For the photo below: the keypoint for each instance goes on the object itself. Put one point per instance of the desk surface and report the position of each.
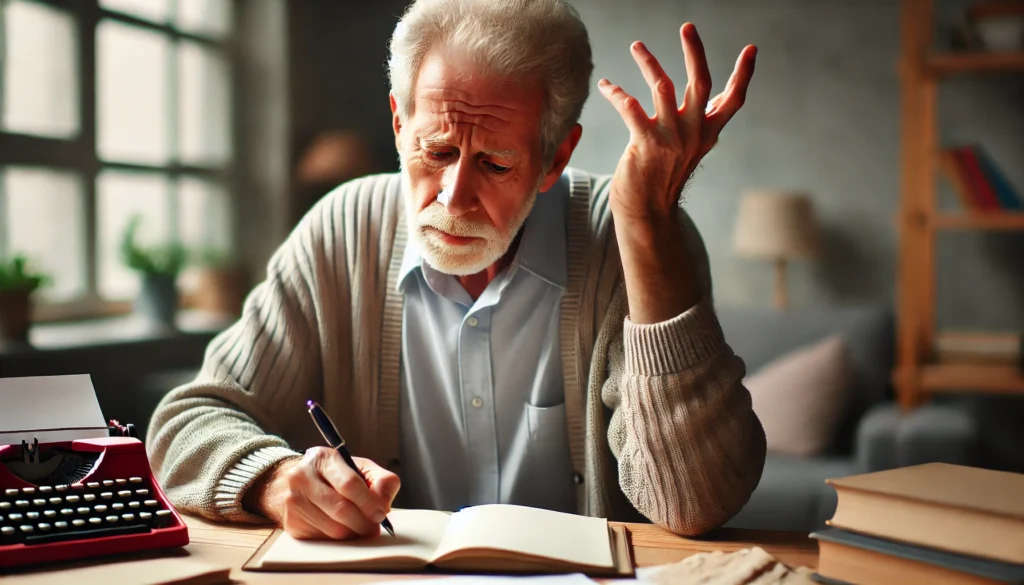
(234, 544)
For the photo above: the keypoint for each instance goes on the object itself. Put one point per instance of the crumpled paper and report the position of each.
(749, 566)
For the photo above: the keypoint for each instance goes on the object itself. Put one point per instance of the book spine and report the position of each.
(1004, 192)
(979, 185)
(955, 175)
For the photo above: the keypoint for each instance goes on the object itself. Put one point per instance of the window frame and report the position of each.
(79, 153)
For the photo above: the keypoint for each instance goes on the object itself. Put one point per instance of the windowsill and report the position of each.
(119, 330)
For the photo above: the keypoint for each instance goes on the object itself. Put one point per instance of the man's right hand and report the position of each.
(319, 496)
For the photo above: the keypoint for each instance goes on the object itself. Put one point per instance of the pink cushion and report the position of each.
(800, 396)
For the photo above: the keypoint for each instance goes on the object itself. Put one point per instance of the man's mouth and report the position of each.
(451, 238)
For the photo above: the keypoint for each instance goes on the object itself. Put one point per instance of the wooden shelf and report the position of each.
(980, 221)
(989, 378)
(953, 63)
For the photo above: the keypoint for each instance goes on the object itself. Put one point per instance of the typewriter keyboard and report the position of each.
(93, 509)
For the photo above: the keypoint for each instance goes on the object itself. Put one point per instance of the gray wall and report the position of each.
(822, 116)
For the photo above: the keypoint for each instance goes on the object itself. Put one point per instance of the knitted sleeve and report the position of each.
(690, 449)
(210, 439)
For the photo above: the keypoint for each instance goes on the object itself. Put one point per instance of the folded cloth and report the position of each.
(749, 566)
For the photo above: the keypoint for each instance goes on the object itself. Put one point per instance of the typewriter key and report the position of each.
(45, 489)
(95, 521)
(100, 508)
(135, 479)
(78, 523)
(61, 525)
(50, 513)
(87, 497)
(70, 499)
(32, 515)
(57, 501)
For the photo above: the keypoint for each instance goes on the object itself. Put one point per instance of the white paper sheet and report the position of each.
(557, 579)
(50, 409)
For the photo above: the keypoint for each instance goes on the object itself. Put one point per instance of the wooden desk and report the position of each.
(234, 544)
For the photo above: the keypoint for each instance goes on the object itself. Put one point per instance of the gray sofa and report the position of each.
(874, 433)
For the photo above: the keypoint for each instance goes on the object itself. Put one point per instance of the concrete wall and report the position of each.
(822, 116)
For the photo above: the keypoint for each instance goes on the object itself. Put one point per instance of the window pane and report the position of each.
(131, 101)
(40, 76)
(204, 216)
(44, 221)
(120, 195)
(204, 123)
(211, 17)
(155, 10)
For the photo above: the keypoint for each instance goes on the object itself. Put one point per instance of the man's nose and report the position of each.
(457, 194)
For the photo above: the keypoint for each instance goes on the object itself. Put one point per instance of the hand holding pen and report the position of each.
(335, 441)
(319, 496)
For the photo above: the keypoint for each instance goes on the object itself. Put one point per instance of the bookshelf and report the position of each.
(922, 68)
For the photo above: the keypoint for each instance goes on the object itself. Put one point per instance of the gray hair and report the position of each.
(536, 40)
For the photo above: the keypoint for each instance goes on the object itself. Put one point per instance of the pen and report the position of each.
(336, 442)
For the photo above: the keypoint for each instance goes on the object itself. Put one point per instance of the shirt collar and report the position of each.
(541, 248)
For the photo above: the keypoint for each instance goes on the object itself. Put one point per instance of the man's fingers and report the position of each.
(627, 106)
(342, 510)
(698, 84)
(303, 519)
(349, 484)
(384, 483)
(663, 91)
(735, 94)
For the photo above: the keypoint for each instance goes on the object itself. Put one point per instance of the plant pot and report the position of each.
(15, 316)
(158, 300)
(220, 290)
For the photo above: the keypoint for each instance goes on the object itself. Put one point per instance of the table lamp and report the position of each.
(779, 226)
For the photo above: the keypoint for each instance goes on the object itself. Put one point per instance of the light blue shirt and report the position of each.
(482, 405)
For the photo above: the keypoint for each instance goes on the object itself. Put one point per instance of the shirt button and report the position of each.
(472, 321)
(478, 402)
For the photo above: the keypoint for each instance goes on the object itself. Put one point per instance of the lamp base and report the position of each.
(781, 297)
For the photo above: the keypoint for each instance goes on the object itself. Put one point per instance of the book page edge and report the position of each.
(255, 562)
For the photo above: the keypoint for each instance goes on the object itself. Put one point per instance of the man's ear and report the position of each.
(396, 120)
(562, 156)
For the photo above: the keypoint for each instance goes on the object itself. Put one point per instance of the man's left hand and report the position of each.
(662, 153)
(664, 150)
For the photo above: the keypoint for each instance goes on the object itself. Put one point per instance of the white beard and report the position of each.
(461, 259)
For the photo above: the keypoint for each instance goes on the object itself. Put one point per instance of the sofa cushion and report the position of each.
(760, 334)
(792, 494)
(800, 396)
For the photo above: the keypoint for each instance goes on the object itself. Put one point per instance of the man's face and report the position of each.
(471, 162)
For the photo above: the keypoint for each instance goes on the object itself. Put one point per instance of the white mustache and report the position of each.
(436, 216)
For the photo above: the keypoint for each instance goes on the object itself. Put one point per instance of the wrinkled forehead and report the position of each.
(450, 93)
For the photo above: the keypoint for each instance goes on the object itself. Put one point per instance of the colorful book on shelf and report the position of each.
(1008, 198)
(977, 180)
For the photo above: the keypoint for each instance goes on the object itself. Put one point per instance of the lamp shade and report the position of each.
(776, 225)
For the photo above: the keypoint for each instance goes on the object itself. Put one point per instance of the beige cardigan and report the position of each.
(659, 422)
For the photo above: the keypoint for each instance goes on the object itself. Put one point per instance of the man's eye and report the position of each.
(438, 155)
(497, 168)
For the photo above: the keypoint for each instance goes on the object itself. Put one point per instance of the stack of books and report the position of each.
(980, 348)
(930, 523)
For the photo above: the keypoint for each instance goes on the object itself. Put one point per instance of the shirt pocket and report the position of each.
(549, 436)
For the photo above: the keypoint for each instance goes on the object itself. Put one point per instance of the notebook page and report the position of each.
(417, 534)
(533, 531)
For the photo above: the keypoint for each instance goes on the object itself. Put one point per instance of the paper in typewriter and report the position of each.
(50, 409)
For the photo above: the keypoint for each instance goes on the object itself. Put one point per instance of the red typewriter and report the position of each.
(82, 498)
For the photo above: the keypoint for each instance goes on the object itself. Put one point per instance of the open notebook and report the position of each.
(493, 538)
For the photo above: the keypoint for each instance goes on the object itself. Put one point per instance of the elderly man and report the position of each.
(489, 325)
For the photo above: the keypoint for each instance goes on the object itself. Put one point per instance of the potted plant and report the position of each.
(17, 283)
(159, 267)
(220, 283)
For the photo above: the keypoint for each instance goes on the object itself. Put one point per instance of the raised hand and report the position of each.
(664, 150)
(662, 153)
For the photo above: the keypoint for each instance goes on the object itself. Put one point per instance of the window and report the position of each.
(110, 108)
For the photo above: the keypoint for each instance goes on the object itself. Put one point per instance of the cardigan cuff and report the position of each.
(675, 345)
(231, 488)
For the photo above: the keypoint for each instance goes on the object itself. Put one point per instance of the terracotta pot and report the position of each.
(15, 315)
(220, 290)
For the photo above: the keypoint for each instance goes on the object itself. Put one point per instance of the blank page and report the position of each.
(417, 534)
(581, 540)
